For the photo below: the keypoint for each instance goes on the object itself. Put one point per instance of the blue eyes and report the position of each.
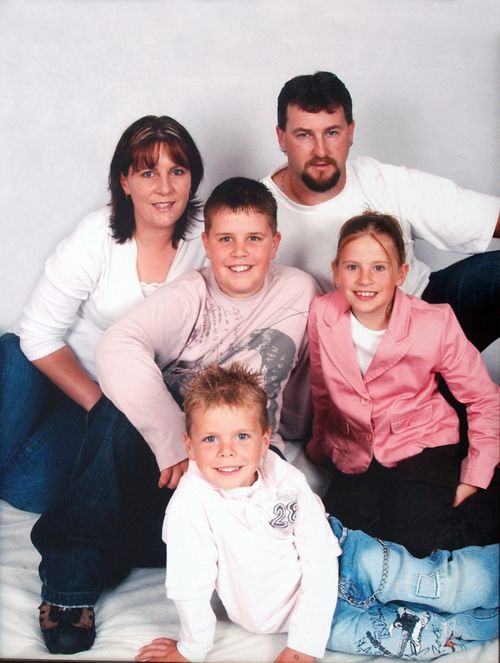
(212, 439)
(376, 268)
(252, 238)
(329, 134)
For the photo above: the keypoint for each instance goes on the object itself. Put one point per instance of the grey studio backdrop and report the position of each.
(75, 73)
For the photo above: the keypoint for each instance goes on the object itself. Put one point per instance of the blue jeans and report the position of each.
(41, 431)
(472, 288)
(110, 517)
(393, 604)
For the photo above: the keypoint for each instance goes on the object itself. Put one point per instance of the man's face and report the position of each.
(227, 445)
(317, 146)
(240, 247)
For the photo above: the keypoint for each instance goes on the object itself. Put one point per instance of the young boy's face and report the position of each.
(240, 247)
(227, 445)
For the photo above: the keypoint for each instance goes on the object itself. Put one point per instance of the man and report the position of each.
(319, 188)
(241, 308)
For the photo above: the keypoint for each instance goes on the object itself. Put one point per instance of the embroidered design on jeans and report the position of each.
(411, 625)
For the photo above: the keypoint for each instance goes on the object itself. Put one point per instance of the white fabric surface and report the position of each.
(135, 612)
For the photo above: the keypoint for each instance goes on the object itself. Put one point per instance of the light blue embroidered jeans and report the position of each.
(393, 604)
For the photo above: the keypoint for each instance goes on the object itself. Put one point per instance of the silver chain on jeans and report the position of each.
(366, 603)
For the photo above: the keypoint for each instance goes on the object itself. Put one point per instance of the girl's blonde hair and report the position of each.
(373, 224)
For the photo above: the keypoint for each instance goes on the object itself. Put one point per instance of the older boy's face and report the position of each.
(240, 247)
(227, 445)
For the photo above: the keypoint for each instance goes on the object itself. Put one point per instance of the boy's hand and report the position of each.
(464, 490)
(293, 656)
(171, 476)
(161, 649)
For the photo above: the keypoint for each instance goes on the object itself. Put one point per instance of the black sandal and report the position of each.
(67, 630)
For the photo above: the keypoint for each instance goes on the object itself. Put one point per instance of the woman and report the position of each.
(115, 257)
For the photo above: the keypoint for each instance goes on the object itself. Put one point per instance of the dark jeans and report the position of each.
(41, 431)
(472, 288)
(110, 517)
(411, 504)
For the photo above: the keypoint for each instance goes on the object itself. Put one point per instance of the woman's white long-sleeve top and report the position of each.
(87, 284)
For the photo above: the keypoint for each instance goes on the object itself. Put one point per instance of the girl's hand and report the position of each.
(464, 490)
(293, 656)
(171, 476)
(161, 649)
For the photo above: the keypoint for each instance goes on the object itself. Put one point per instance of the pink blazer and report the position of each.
(395, 410)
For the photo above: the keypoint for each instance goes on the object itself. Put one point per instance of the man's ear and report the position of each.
(189, 447)
(351, 129)
(281, 139)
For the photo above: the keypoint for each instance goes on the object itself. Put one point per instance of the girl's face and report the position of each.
(367, 272)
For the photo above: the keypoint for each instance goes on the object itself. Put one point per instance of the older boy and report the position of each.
(241, 308)
(271, 554)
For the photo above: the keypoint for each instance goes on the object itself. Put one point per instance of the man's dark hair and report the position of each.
(314, 93)
(241, 194)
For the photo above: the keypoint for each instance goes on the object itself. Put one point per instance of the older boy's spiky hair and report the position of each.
(232, 386)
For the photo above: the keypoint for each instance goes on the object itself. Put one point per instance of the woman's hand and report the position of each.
(161, 649)
(293, 656)
(64, 370)
(170, 476)
(464, 490)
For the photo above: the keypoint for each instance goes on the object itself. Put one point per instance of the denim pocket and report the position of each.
(428, 586)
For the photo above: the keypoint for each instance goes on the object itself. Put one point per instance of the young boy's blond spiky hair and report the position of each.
(232, 386)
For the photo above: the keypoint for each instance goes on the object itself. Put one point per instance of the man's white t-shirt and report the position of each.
(428, 207)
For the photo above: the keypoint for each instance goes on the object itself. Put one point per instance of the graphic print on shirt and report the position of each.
(275, 352)
(285, 515)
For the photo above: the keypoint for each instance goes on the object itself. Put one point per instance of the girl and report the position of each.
(379, 417)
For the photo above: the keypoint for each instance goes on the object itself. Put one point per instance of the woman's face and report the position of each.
(159, 194)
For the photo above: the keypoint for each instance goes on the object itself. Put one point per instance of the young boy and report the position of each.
(245, 523)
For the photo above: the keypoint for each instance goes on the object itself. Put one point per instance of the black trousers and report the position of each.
(411, 504)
